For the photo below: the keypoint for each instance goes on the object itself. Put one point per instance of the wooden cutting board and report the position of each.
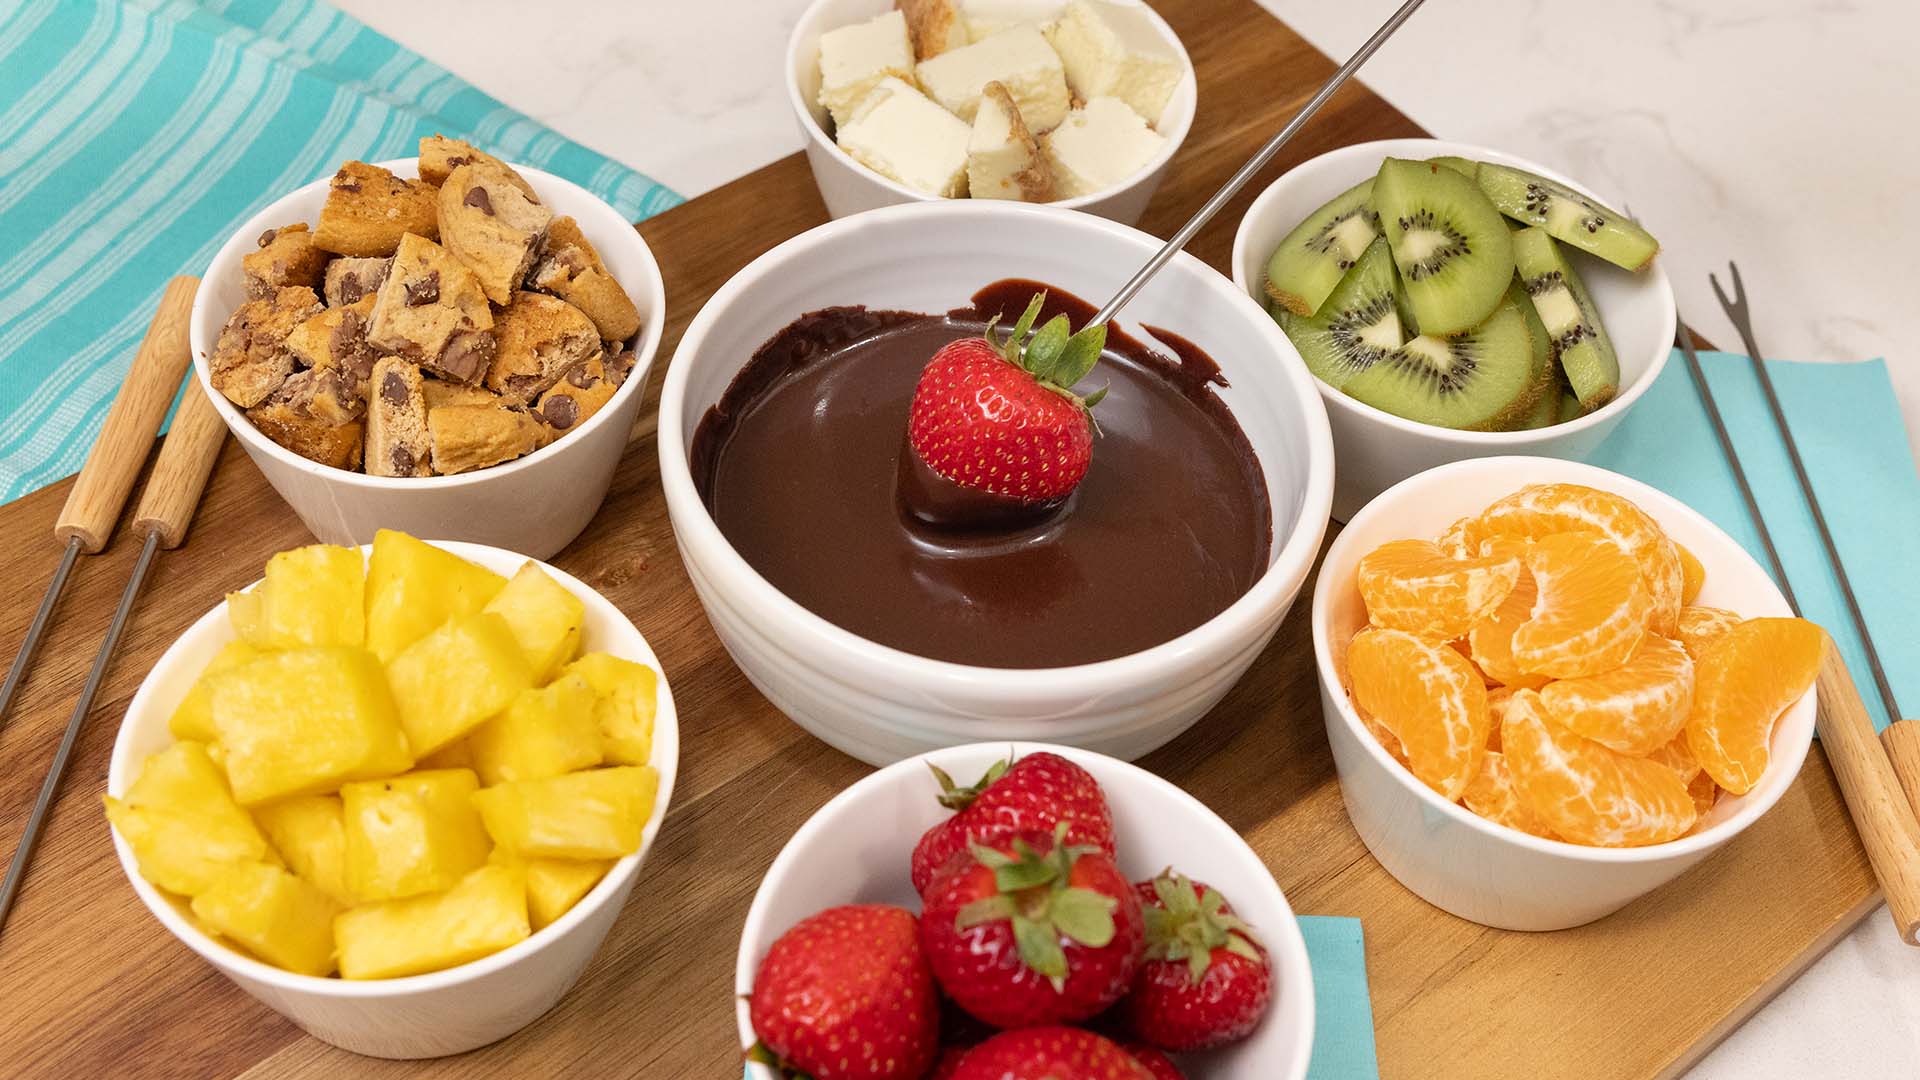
(93, 986)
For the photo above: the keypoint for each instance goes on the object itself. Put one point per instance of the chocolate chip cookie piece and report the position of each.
(286, 258)
(441, 393)
(431, 310)
(351, 280)
(571, 269)
(313, 438)
(579, 394)
(487, 222)
(251, 359)
(469, 437)
(440, 155)
(397, 441)
(369, 209)
(335, 341)
(540, 337)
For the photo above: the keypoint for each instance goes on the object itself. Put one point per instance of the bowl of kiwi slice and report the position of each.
(1453, 302)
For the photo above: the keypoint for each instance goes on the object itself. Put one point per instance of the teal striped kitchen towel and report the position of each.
(137, 135)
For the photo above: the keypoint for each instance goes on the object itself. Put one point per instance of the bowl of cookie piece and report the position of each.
(450, 345)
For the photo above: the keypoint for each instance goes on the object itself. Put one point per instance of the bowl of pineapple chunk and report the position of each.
(398, 793)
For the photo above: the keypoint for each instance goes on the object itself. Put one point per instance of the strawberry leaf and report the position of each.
(1042, 355)
(1081, 352)
(1095, 398)
(1085, 916)
(1039, 947)
(991, 909)
(1027, 319)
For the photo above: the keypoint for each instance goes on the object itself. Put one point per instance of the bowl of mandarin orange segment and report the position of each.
(397, 793)
(1551, 689)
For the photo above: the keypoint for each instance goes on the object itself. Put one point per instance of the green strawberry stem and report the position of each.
(959, 798)
(1032, 891)
(1056, 357)
(1188, 926)
(762, 1054)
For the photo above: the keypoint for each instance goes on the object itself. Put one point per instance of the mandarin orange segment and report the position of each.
(1585, 792)
(1491, 794)
(1416, 586)
(1429, 698)
(1544, 509)
(1497, 701)
(1678, 756)
(1388, 740)
(1460, 646)
(1491, 642)
(1636, 708)
(1743, 681)
(1454, 540)
(1703, 791)
(1693, 575)
(1699, 626)
(1591, 611)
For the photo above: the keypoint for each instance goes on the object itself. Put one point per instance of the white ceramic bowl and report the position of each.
(849, 187)
(1455, 859)
(880, 704)
(536, 504)
(1377, 449)
(854, 850)
(442, 1012)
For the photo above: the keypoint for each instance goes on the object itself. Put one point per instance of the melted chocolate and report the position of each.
(800, 463)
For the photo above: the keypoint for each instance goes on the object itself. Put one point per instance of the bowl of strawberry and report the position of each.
(926, 500)
(1063, 915)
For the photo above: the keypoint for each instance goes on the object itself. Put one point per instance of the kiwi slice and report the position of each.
(1568, 216)
(1320, 250)
(1580, 341)
(1451, 245)
(1479, 380)
(1356, 326)
(1546, 411)
(1463, 166)
(1544, 388)
(1570, 409)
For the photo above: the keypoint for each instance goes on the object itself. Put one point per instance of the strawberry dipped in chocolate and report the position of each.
(996, 436)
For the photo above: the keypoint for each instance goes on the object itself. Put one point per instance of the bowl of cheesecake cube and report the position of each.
(1079, 104)
(398, 794)
(449, 345)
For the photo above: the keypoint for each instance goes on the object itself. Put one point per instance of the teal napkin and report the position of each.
(1343, 1011)
(137, 135)
(1847, 424)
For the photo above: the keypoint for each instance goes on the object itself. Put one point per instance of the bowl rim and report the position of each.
(1176, 135)
(230, 960)
(1516, 441)
(228, 257)
(1287, 947)
(1290, 559)
(1756, 802)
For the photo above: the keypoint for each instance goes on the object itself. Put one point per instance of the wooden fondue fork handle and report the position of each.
(180, 475)
(1881, 812)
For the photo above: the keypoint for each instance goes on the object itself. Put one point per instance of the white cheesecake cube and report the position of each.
(1113, 50)
(853, 60)
(1099, 146)
(985, 18)
(899, 133)
(1019, 59)
(1003, 159)
(934, 25)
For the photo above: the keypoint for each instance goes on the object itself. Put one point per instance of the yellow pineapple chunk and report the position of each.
(482, 914)
(307, 831)
(555, 885)
(545, 732)
(305, 721)
(274, 915)
(595, 814)
(413, 587)
(455, 755)
(311, 596)
(182, 822)
(628, 697)
(455, 679)
(411, 834)
(546, 619)
(193, 717)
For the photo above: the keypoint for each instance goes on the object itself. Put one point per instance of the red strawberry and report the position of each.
(948, 1065)
(1159, 1065)
(1205, 981)
(847, 995)
(1000, 418)
(1020, 936)
(1029, 798)
(1050, 1053)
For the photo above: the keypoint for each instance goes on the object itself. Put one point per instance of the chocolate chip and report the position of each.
(455, 162)
(342, 181)
(403, 461)
(560, 411)
(424, 291)
(477, 198)
(523, 386)
(393, 389)
(466, 356)
(618, 367)
(267, 237)
(579, 376)
(350, 289)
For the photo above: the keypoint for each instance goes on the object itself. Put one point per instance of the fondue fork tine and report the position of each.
(1254, 164)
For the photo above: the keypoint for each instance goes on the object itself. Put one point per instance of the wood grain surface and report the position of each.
(93, 986)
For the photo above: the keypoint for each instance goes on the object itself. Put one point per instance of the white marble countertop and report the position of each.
(1771, 132)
